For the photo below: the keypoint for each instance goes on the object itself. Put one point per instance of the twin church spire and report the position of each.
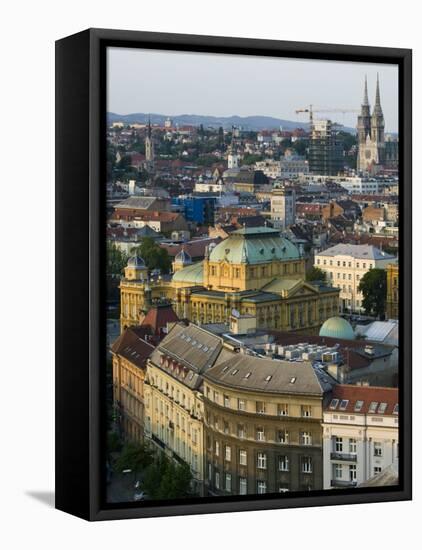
(370, 128)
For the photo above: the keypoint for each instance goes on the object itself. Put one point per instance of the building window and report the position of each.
(307, 465)
(209, 471)
(283, 463)
(226, 427)
(262, 461)
(241, 432)
(260, 407)
(260, 434)
(217, 480)
(352, 446)
(228, 453)
(216, 396)
(243, 486)
(262, 487)
(243, 457)
(226, 401)
(338, 471)
(241, 404)
(377, 448)
(283, 436)
(306, 438)
(216, 448)
(352, 472)
(338, 444)
(228, 483)
(306, 410)
(377, 470)
(283, 409)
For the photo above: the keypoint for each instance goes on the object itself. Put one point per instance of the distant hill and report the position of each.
(247, 123)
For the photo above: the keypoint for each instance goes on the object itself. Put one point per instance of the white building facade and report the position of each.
(346, 264)
(360, 434)
(283, 207)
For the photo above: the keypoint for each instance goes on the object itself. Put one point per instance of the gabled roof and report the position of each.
(157, 318)
(133, 348)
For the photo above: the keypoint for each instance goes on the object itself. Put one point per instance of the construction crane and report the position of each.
(311, 110)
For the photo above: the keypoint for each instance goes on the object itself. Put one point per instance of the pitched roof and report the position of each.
(157, 318)
(132, 347)
(358, 251)
(250, 373)
(364, 400)
(186, 352)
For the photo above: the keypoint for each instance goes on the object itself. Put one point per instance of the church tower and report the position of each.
(149, 148)
(370, 133)
(377, 126)
(232, 156)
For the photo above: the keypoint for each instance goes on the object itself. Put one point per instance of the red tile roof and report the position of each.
(133, 348)
(383, 400)
(157, 318)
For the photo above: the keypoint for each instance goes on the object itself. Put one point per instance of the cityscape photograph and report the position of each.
(252, 275)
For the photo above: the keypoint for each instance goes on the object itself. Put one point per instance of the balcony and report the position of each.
(340, 483)
(348, 457)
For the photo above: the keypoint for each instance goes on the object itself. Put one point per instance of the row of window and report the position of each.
(261, 407)
(243, 458)
(306, 468)
(343, 263)
(262, 434)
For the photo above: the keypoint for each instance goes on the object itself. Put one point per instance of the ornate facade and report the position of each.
(254, 271)
(370, 127)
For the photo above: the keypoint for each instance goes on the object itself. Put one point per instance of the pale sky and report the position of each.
(175, 83)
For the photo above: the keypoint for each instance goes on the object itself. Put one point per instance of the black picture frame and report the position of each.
(80, 223)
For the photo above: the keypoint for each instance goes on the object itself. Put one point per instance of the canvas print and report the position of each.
(252, 276)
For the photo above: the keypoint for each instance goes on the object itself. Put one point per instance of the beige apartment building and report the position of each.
(346, 264)
(174, 406)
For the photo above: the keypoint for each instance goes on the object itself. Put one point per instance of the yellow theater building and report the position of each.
(255, 271)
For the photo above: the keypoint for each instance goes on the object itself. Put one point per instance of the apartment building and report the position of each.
(262, 426)
(360, 434)
(346, 264)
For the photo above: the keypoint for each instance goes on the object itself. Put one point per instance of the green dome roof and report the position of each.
(337, 327)
(193, 273)
(254, 245)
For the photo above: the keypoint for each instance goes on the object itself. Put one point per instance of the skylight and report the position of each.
(333, 404)
(396, 409)
(358, 406)
(373, 406)
(235, 371)
(382, 408)
(343, 404)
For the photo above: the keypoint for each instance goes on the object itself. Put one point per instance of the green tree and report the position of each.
(153, 255)
(316, 274)
(164, 479)
(134, 456)
(116, 259)
(373, 286)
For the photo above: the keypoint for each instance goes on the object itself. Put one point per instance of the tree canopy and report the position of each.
(153, 255)
(116, 259)
(373, 286)
(135, 457)
(316, 274)
(164, 479)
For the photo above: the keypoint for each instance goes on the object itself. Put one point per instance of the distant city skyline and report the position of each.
(176, 83)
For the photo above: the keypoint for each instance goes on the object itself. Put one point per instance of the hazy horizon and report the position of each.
(237, 85)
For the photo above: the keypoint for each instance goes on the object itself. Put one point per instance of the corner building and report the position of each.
(263, 426)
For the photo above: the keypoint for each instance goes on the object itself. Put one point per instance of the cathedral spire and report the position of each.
(149, 125)
(365, 93)
(377, 106)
